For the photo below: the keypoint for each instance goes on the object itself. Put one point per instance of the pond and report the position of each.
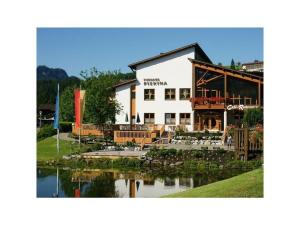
(66, 182)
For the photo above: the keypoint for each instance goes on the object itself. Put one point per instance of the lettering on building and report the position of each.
(238, 107)
(154, 82)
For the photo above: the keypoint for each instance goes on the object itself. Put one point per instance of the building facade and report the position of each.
(176, 89)
(256, 66)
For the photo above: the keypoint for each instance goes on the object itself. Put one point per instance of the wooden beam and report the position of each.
(209, 80)
(210, 68)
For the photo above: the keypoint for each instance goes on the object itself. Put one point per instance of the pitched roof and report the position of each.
(124, 83)
(194, 45)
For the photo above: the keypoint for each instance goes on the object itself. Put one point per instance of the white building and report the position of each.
(183, 88)
(161, 92)
(256, 66)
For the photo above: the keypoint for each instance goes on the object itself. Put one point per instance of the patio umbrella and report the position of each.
(138, 118)
(137, 185)
(126, 118)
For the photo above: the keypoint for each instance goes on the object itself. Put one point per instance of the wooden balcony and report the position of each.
(208, 102)
(219, 102)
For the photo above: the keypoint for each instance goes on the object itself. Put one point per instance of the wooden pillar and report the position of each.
(259, 94)
(246, 139)
(209, 123)
(236, 143)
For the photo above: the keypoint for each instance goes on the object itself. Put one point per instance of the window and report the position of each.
(149, 118)
(149, 94)
(185, 118)
(170, 118)
(170, 94)
(185, 93)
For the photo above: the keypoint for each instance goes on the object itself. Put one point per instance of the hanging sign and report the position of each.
(238, 107)
(154, 82)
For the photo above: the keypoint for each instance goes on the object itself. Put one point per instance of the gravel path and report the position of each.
(64, 136)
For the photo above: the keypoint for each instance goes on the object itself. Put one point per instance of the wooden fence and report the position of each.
(145, 137)
(246, 142)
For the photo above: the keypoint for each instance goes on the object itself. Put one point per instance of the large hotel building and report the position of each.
(183, 88)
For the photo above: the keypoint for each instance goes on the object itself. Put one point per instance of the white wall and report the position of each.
(123, 98)
(176, 70)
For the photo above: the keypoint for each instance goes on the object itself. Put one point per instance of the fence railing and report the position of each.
(138, 137)
(246, 141)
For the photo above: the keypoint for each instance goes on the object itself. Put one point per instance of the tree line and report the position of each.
(100, 105)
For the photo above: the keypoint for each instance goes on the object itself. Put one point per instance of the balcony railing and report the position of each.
(218, 102)
(208, 102)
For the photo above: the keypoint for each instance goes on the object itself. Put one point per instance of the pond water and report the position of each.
(66, 182)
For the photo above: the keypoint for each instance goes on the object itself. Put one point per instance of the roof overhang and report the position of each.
(124, 83)
(133, 66)
(225, 71)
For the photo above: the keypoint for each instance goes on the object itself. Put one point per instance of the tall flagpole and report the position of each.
(57, 144)
(79, 116)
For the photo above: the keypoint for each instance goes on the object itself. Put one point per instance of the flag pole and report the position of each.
(57, 144)
(79, 118)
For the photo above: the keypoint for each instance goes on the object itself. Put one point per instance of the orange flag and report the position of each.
(79, 106)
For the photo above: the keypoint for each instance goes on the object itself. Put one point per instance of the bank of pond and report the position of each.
(159, 172)
(117, 181)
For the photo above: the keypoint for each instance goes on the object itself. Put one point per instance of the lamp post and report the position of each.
(40, 118)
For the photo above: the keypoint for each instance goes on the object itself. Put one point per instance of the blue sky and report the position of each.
(77, 49)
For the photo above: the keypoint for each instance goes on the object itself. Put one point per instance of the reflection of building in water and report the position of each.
(169, 181)
(149, 182)
(187, 182)
(197, 181)
(132, 188)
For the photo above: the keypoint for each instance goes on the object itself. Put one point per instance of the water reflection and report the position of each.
(64, 182)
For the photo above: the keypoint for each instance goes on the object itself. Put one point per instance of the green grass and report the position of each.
(46, 149)
(248, 184)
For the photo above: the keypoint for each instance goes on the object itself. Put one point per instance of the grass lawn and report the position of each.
(248, 184)
(46, 149)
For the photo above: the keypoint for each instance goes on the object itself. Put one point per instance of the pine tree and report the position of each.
(232, 66)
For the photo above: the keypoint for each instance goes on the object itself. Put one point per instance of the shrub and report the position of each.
(46, 131)
(97, 146)
(253, 116)
(190, 164)
(179, 153)
(179, 131)
(197, 154)
(126, 162)
(130, 144)
(213, 166)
